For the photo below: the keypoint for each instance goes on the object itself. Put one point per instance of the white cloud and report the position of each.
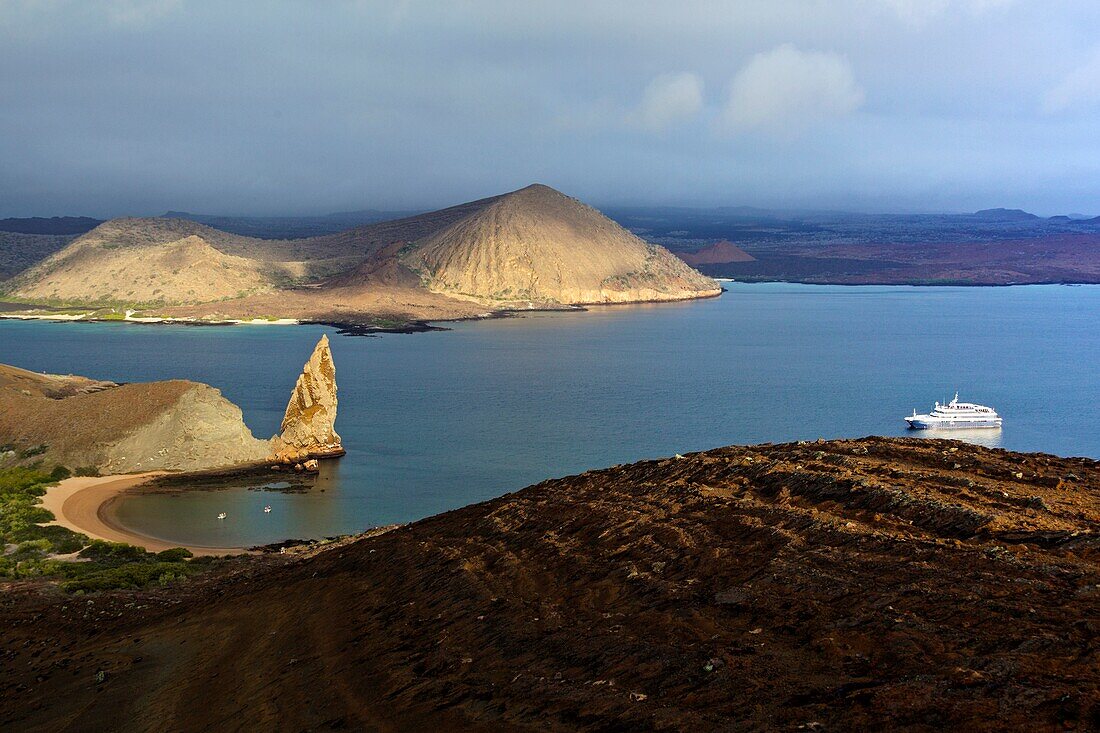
(785, 90)
(1079, 89)
(669, 99)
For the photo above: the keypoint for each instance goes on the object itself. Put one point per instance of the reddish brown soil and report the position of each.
(716, 254)
(1068, 258)
(879, 584)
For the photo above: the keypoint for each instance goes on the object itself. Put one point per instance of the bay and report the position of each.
(434, 421)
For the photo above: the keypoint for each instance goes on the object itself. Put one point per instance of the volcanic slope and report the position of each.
(874, 584)
(173, 261)
(537, 244)
(79, 422)
(144, 261)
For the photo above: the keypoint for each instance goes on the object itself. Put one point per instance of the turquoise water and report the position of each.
(434, 421)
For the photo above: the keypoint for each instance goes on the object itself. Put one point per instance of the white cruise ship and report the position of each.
(955, 414)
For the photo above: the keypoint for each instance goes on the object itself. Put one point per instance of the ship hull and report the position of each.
(917, 423)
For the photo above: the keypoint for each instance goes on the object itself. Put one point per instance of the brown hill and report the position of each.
(878, 584)
(539, 245)
(78, 422)
(363, 240)
(718, 253)
(534, 246)
(143, 261)
(21, 251)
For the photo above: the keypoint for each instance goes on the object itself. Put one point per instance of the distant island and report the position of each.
(534, 248)
(988, 247)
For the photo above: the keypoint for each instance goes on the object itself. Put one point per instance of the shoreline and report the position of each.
(82, 504)
(358, 328)
(151, 320)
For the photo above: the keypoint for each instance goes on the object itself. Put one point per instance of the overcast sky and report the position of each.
(139, 106)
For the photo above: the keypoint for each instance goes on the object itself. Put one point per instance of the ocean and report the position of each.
(434, 421)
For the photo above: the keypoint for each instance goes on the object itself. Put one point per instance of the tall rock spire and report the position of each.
(309, 425)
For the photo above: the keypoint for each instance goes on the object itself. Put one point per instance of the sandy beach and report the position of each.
(79, 504)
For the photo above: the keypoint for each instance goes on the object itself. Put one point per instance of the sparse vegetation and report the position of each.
(32, 550)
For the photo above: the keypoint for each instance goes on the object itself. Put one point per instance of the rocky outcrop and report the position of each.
(877, 584)
(82, 423)
(309, 424)
(173, 425)
(202, 430)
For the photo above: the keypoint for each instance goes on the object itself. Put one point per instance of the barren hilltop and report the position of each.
(875, 584)
(531, 248)
(538, 245)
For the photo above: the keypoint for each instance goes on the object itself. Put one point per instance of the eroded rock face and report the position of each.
(71, 421)
(201, 430)
(309, 425)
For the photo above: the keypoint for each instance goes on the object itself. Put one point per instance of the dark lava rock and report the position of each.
(830, 586)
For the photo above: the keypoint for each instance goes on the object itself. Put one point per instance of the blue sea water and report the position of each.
(434, 421)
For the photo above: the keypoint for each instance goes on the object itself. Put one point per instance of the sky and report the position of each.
(136, 107)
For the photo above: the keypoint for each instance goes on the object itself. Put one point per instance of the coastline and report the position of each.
(83, 504)
(91, 318)
(414, 325)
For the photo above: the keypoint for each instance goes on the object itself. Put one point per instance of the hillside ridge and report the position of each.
(533, 247)
(537, 244)
(868, 584)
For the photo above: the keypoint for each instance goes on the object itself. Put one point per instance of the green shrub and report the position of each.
(130, 575)
(174, 554)
(30, 549)
(19, 479)
(60, 473)
(62, 539)
(18, 515)
(109, 564)
(120, 551)
(38, 567)
(86, 471)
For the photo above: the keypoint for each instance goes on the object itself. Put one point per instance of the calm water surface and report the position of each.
(438, 420)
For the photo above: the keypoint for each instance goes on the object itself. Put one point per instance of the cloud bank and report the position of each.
(114, 107)
(669, 99)
(786, 90)
(1078, 90)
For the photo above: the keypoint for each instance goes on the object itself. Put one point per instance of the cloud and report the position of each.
(669, 99)
(1079, 89)
(786, 89)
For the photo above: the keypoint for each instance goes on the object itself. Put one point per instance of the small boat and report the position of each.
(267, 509)
(223, 515)
(955, 414)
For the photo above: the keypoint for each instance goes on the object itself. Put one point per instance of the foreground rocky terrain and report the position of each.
(868, 584)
